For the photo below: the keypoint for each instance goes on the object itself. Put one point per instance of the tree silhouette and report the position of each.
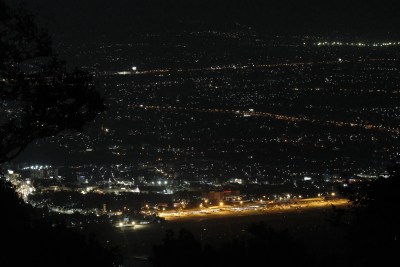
(39, 97)
(183, 250)
(28, 240)
(375, 230)
(262, 247)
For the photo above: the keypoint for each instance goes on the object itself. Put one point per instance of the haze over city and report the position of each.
(126, 119)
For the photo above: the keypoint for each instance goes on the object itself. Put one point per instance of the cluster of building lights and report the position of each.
(37, 167)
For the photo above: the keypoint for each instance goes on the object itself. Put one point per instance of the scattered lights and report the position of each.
(359, 44)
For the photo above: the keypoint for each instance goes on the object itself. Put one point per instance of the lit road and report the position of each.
(242, 67)
(268, 115)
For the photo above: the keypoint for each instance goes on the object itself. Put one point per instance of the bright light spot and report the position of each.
(134, 68)
(121, 224)
(221, 203)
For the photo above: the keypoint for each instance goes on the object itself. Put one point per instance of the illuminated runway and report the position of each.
(251, 209)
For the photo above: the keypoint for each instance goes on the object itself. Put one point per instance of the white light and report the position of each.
(134, 68)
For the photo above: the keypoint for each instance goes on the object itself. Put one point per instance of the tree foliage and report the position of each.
(373, 234)
(262, 247)
(38, 96)
(29, 240)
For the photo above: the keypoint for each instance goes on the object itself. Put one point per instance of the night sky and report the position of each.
(119, 18)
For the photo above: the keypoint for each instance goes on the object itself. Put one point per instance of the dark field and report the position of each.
(311, 227)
